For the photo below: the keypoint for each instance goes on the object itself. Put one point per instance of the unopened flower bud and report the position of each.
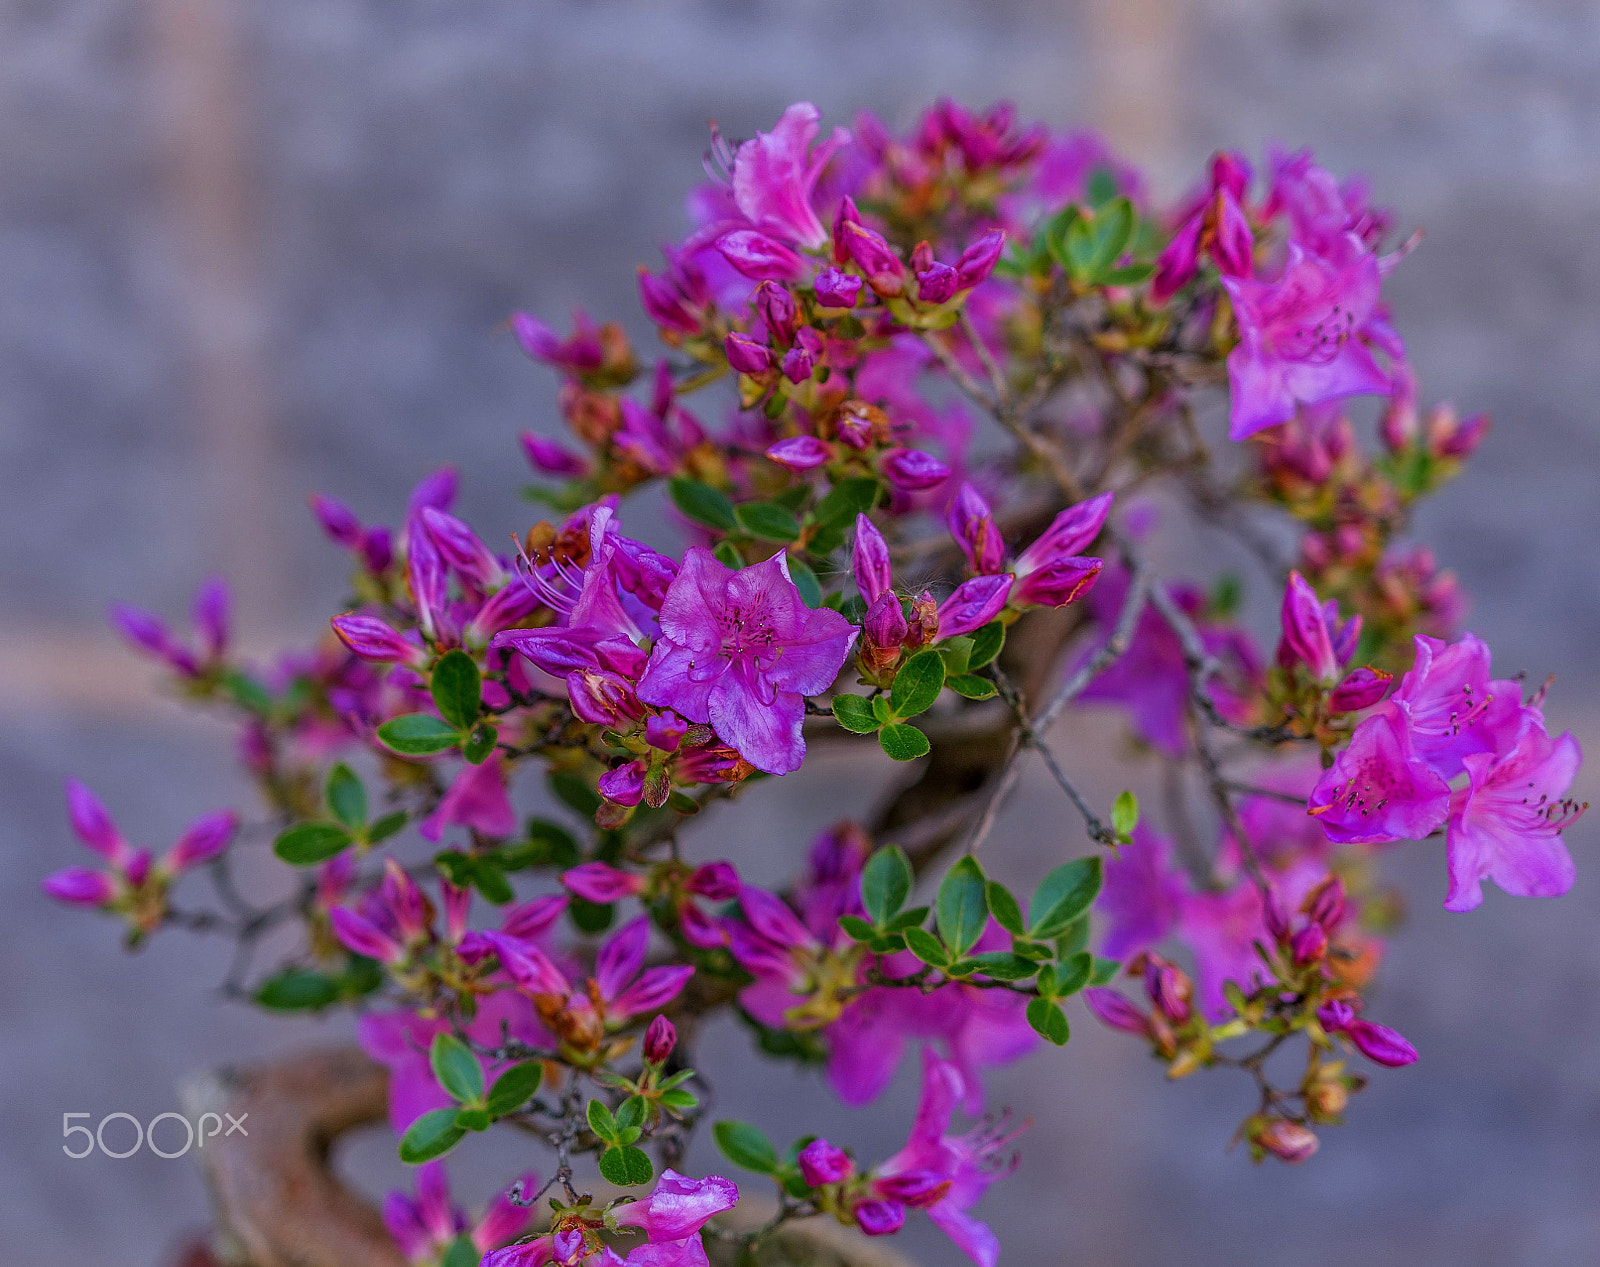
(659, 1040)
(759, 257)
(1309, 945)
(875, 258)
(972, 524)
(80, 886)
(936, 283)
(974, 604)
(550, 457)
(1114, 1010)
(835, 289)
(1169, 989)
(1380, 1044)
(1325, 904)
(821, 1164)
(800, 453)
(624, 785)
(337, 520)
(776, 306)
(880, 1218)
(1361, 688)
(912, 470)
(870, 560)
(979, 259)
(372, 639)
(601, 883)
(1326, 1098)
(745, 355)
(1285, 1140)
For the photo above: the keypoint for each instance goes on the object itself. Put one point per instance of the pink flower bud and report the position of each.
(205, 839)
(885, 624)
(875, 258)
(436, 489)
(800, 453)
(870, 560)
(80, 886)
(972, 524)
(776, 306)
(798, 363)
(624, 785)
(821, 1164)
(659, 1040)
(1233, 247)
(406, 903)
(360, 935)
(151, 634)
(1309, 944)
(979, 259)
(880, 1218)
(837, 290)
(1230, 171)
(912, 470)
(1058, 583)
(337, 520)
(550, 457)
(1285, 1140)
(936, 283)
(92, 825)
(377, 550)
(461, 549)
(1361, 688)
(759, 257)
(916, 1188)
(212, 619)
(663, 304)
(1380, 1044)
(717, 881)
(1176, 265)
(745, 355)
(1115, 1011)
(1326, 903)
(846, 213)
(372, 639)
(973, 605)
(602, 883)
(1305, 631)
(665, 731)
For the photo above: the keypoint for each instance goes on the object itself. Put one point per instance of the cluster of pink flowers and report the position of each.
(949, 364)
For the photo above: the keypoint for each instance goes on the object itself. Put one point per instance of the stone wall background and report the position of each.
(252, 251)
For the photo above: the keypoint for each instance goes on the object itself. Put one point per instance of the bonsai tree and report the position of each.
(911, 397)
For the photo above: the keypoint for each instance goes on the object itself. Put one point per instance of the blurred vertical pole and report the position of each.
(1135, 52)
(195, 63)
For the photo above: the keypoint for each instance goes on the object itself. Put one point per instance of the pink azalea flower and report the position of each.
(942, 1173)
(670, 1218)
(1506, 824)
(622, 987)
(425, 1226)
(1377, 789)
(1300, 339)
(741, 651)
(775, 174)
(1452, 706)
(1143, 896)
(476, 799)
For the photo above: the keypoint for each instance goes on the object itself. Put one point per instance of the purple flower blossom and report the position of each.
(1377, 790)
(775, 174)
(424, 1227)
(476, 799)
(1452, 706)
(946, 1174)
(1143, 896)
(1506, 824)
(1300, 339)
(741, 651)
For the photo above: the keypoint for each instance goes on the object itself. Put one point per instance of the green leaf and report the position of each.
(1062, 896)
(515, 1087)
(1094, 245)
(847, 499)
(856, 928)
(474, 1118)
(1073, 974)
(547, 844)
(1129, 275)
(462, 1253)
(727, 554)
(805, 580)
(1049, 1021)
(601, 1122)
(308, 843)
(1106, 969)
(744, 1145)
(626, 1167)
(956, 654)
(590, 917)
(886, 884)
(926, 947)
(457, 689)
(972, 686)
(1125, 814)
(679, 1100)
(386, 826)
(431, 1135)
(1102, 186)
(902, 742)
(347, 799)
(767, 520)
(490, 880)
(701, 503)
(907, 919)
(418, 735)
(632, 1113)
(1073, 938)
(480, 743)
(917, 684)
(855, 714)
(1005, 910)
(962, 907)
(986, 644)
(1002, 965)
(456, 1068)
(297, 990)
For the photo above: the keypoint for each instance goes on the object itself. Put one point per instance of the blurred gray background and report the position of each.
(251, 251)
